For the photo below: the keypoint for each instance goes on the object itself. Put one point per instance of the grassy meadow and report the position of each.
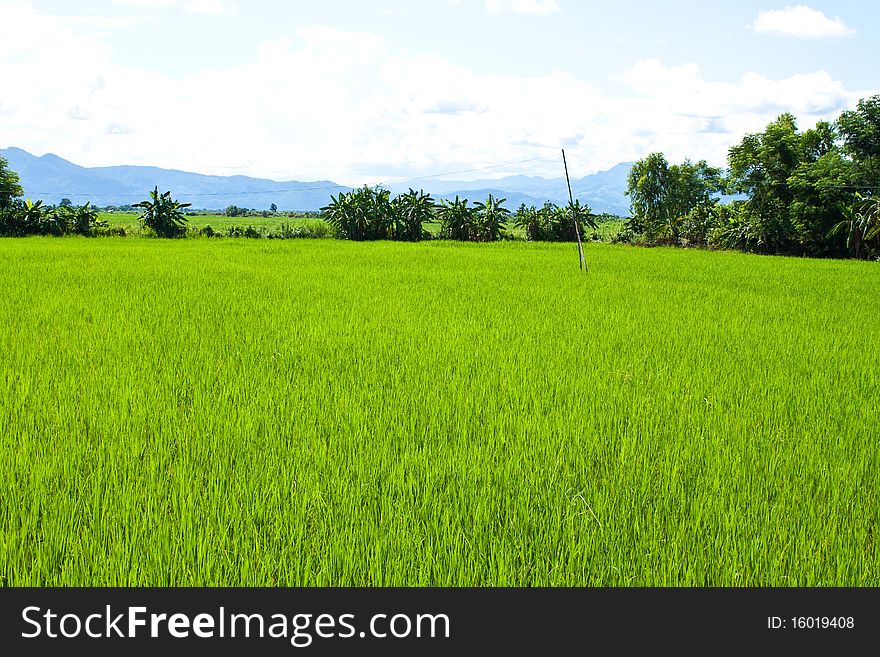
(219, 222)
(216, 221)
(322, 412)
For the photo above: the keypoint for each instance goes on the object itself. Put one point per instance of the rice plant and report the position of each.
(319, 412)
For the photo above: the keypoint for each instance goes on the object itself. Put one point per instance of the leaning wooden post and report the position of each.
(577, 231)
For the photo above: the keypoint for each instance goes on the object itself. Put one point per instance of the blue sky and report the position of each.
(361, 92)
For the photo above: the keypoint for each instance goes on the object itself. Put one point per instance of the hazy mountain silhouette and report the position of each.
(52, 178)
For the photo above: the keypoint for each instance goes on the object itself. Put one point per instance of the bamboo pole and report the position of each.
(577, 231)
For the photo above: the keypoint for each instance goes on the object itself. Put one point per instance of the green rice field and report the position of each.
(318, 412)
(130, 220)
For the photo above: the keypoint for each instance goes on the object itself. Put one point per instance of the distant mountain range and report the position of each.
(52, 178)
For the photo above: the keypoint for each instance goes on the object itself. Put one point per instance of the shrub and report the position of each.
(555, 224)
(362, 214)
(162, 215)
(457, 220)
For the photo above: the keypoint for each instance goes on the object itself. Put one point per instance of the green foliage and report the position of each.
(11, 223)
(410, 212)
(553, 223)
(111, 231)
(649, 186)
(457, 220)
(801, 186)
(10, 184)
(822, 197)
(576, 218)
(83, 220)
(862, 227)
(760, 166)
(250, 232)
(730, 229)
(309, 230)
(235, 211)
(490, 219)
(694, 186)
(860, 130)
(163, 215)
(695, 226)
(664, 199)
(528, 219)
(21, 218)
(362, 214)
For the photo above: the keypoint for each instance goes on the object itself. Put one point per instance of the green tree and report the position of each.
(163, 215)
(529, 220)
(457, 220)
(649, 186)
(860, 130)
(800, 185)
(12, 219)
(822, 197)
(10, 184)
(338, 215)
(362, 214)
(86, 220)
(862, 226)
(411, 211)
(576, 214)
(491, 219)
(693, 185)
(665, 199)
(273, 208)
(760, 166)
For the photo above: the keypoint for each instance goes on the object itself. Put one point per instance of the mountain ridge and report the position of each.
(128, 184)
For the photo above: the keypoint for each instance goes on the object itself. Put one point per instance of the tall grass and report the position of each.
(329, 413)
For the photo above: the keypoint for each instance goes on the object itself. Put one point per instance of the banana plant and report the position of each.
(163, 215)
(579, 215)
(491, 218)
(85, 220)
(457, 220)
(862, 224)
(529, 220)
(411, 211)
(35, 217)
(363, 214)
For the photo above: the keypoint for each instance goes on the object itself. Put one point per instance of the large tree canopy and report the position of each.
(860, 130)
(663, 196)
(10, 185)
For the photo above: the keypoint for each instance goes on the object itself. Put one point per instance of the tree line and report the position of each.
(785, 191)
(790, 192)
(369, 213)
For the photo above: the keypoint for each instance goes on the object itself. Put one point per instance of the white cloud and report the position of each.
(215, 7)
(802, 22)
(684, 115)
(535, 7)
(346, 106)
